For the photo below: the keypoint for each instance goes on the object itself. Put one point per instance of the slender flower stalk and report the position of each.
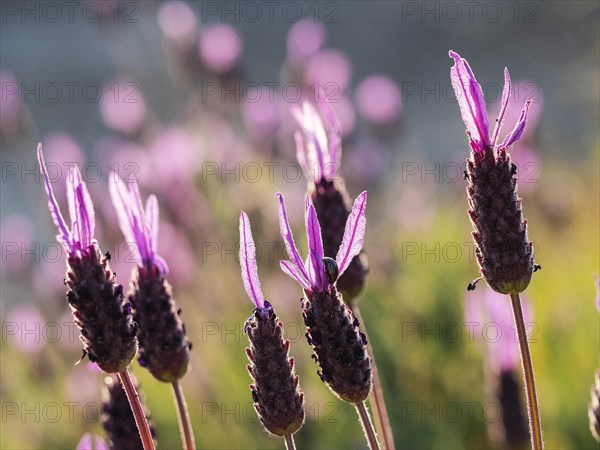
(332, 330)
(278, 401)
(504, 253)
(164, 347)
(99, 308)
(117, 419)
(319, 154)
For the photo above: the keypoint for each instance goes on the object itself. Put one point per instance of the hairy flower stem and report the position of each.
(138, 411)
(185, 426)
(376, 400)
(289, 442)
(535, 427)
(367, 425)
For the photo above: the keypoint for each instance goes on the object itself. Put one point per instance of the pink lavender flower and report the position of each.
(220, 47)
(311, 274)
(104, 319)
(277, 398)
(164, 347)
(473, 110)
(378, 100)
(318, 151)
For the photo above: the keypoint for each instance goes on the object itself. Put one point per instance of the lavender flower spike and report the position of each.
(473, 110)
(504, 253)
(99, 309)
(318, 153)
(339, 346)
(277, 398)
(164, 347)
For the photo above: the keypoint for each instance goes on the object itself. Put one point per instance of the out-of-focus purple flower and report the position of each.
(318, 152)
(473, 110)
(10, 103)
(177, 21)
(378, 100)
(81, 211)
(89, 443)
(122, 106)
(138, 225)
(28, 323)
(176, 248)
(220, 47)
(366, 160)
(491, 317)
(597, 282)
(311, 274)
(304, 40)
(247, 256)
(261, 112)
(329, 70)
(184, 159)
(17, 235)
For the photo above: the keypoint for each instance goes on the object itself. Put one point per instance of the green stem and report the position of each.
(367, 425)
(138, 411)
(185, 426)
(376, 399)
(535, 426)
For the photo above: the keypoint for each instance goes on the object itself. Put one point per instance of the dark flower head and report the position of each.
(97, 300)
(317, 151)
(504, 252)
(80, 237)
(473, 110)
(164, 347)
(311, 274)
(277, 398)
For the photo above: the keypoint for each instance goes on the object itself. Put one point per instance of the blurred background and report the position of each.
(193, 99)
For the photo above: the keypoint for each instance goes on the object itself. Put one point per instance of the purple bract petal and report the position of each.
(85, 443)
(248, 263)
(139, 226)
(517, 132)
(100, 444)
(471, 102)
(288, 239)
(293, 272)
(505, 97)
(65, 236)
(81, 210)
(315, 247)
(354, 233)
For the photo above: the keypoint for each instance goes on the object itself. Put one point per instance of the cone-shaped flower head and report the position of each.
(318, 152)
(99, 309)
(332, 330)
(504, 252)
(164, 347)
(277, 398)
(117, 418)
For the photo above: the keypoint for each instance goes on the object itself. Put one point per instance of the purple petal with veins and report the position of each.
(505, 97)
(288, 238)
(293, 272)
(471, 102)
(517, 132)
(315, 246)
(247, 257)
(315, 139)
(354, 233)
(65, 236)
(85, 443)
(81, 209)
(301, 153)
(120, 199)
(152, 218)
